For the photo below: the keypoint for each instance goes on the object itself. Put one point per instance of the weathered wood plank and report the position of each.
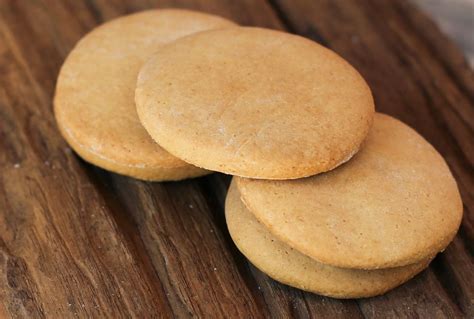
(60, 251)
(76, 241)
(456, 19)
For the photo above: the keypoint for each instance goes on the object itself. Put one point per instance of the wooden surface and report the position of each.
(76, 241)
(456, 18)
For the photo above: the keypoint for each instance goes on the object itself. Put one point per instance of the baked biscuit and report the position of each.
(395, 203)
(254, 102)
(94, 103)
(290, 267)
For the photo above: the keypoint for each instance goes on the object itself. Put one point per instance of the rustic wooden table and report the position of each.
(455, 18)
(76, 241)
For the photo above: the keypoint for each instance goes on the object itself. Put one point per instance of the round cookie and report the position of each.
(255, 103)
(94, 103)
(290, 267)
(395, 203)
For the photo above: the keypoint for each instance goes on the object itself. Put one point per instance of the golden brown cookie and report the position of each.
(255, 103)
(395, 203)
(94, 103)
(284, 264)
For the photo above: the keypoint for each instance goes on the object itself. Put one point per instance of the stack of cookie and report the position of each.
(329, 196)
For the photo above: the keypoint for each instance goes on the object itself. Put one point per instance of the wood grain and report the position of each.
(456, 18)
(79, 242)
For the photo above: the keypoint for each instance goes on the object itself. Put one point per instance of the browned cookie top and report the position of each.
(395, 203)
(291, 267)
(255, 103)
(94, 103)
